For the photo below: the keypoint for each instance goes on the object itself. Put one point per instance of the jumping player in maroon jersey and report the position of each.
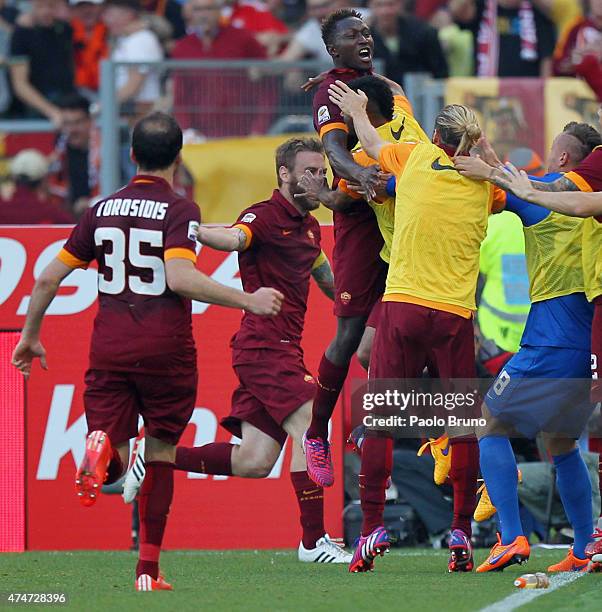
(278, 243)
(142, 353)
(359, 271)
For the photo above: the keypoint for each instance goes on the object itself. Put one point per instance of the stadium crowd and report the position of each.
(50, 54)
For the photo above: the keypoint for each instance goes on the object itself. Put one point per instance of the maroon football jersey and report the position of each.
(327, 115)
(282, 247)
(356, 231)
(141, 325)
(588, 171)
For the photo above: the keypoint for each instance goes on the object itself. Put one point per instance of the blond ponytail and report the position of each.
(458, 127)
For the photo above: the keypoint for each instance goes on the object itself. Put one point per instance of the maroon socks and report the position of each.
(377, 458)
(214, 458)
(311, 507)
(154, 501)
(463, 475)
(330, 382)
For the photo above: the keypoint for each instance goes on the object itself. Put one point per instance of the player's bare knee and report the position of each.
(157, 450)
(256, 467)
(363, 355)
(296, 424)
(558, 445)
(249, 461)
(365, 347)
(493, 427)
(347, 339)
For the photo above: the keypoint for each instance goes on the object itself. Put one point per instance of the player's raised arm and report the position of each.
(322, 274)
(354, 104)
(184, 279)
(223, 238)
(46, 287)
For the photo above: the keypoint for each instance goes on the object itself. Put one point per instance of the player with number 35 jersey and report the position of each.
(141, 325)
(142, 354)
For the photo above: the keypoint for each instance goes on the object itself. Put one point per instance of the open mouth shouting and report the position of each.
(365, 54)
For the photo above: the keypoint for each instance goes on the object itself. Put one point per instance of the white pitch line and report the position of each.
(524, 596)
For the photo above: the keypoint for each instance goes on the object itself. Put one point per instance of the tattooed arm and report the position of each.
(322, 273)
(560, 184)
(476, 168)
(571, 204)
(223, 238)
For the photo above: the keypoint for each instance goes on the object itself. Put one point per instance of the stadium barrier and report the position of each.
(38, 506)
(235, 112)
(210, 99)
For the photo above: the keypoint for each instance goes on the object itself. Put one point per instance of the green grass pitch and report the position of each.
(405, 579)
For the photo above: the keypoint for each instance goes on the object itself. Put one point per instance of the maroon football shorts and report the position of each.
(360, 273)
(113, 401)
(411, 337)
(596, 395)
(273, 385)
(374, 315)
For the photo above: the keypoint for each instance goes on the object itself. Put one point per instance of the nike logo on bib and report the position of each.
(437, 166)
(397, 133)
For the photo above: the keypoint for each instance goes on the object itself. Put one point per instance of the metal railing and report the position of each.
(210, 99)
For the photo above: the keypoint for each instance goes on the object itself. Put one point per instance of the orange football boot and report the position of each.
(93, 470)
(441, 451)
(571, 564)
(145, 583)
(501, 556)
(485, 508)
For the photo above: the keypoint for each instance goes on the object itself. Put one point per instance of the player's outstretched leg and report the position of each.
(463, 474)
(332, 372)
(214, 458)
(377, 457)
(101, 463)
(154, 501)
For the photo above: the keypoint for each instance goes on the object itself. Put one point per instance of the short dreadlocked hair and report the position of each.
(329, 24)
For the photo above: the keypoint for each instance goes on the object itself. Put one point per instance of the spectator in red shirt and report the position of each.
(258, 17)
(30, 203)
(219, 102)
(580, 40)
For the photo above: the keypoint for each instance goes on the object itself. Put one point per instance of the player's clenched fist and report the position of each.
(265, 301)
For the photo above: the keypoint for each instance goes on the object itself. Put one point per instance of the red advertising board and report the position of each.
(207, 512)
